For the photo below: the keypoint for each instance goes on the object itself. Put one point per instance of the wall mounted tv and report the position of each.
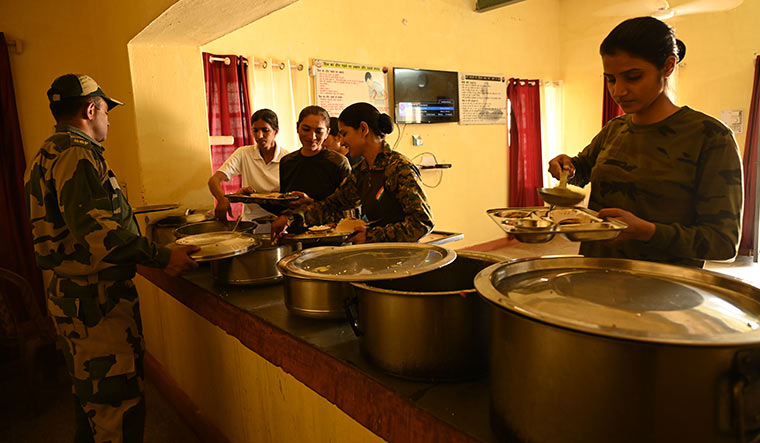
(425, 96)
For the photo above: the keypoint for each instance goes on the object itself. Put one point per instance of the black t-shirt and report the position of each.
(317, 176)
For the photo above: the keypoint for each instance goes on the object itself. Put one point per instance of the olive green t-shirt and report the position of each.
(684, 174)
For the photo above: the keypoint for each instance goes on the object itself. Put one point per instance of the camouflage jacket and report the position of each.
(81, 222)
(684, 174)
(391, 196)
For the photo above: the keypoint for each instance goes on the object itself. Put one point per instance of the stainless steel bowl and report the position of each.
(591, 231)
(533, 231)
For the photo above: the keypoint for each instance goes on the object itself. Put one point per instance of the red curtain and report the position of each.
(751, 146)
(229, 109)
(610, 109)
(16, 249)
(525, 162)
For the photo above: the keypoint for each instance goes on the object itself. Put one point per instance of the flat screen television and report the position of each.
(425, 96)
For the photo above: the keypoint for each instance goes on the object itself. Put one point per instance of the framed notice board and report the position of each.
(339, 84)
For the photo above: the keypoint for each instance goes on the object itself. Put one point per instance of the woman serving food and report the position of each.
(258, 164)
(312, 172)
(671, 173)
(385, 183)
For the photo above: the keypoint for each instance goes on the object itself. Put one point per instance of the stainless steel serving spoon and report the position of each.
(560, 195)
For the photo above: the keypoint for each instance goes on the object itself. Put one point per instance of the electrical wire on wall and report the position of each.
(400, 131)
(440, 171)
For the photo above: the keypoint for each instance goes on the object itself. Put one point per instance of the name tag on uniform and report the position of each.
(114, 183)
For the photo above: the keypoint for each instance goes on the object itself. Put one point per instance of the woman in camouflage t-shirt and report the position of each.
(385, 183)
(671, 173)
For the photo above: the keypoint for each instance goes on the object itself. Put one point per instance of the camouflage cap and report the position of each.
(77, 85)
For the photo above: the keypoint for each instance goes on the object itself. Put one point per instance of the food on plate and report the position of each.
(349, 224)
(320, 228)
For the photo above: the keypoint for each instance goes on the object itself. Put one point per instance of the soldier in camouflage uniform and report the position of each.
(85, 232)
(672, 174)
(385, 183)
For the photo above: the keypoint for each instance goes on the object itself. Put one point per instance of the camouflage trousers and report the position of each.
(100, 333)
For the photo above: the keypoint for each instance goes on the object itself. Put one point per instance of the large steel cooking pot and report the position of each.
(162, 231)
(317, 279)
(603, 350)
(431, 326)
(312, 298)
(256, 267)
(213, 226)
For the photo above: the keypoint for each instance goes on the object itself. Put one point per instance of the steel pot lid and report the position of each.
(627, 299)
(218, 245)
(367, 262)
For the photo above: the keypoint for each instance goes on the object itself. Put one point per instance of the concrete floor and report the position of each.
(54, 422)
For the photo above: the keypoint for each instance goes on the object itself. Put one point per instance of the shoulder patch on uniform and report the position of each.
(77, 140)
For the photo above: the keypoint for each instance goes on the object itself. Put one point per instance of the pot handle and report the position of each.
(352, 319)
(746, 364)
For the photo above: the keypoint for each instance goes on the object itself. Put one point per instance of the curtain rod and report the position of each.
(278, 64)
(226, 60)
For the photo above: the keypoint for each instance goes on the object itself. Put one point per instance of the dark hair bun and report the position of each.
(385, 123)
(681, 50)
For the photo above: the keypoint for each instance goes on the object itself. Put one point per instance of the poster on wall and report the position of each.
(482, 99)
(339, 84)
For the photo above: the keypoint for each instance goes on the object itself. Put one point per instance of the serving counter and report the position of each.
(251, 371)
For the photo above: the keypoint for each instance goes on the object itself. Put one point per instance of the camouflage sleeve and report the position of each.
(346, 196)
(403, 180)
(88, 211)
(345, 168)
(720, 198)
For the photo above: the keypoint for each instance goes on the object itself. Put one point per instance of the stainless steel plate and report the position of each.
(269, 197)
(540, 224)
(627, 299)
(218, 245)
(154, 208)
(368, 262)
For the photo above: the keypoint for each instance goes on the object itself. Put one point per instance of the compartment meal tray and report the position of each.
(540, 224)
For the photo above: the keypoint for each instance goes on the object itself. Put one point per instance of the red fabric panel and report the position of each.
(750, 166)
(228, 110)
(16, 249)
(525, 162)
(610, 109)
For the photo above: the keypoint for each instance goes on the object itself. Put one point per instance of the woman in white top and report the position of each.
(258, 164)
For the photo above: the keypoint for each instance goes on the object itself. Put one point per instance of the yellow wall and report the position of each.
(518, 41)
(716, 73)
(83, 36)
(242, 394)
(548, 39)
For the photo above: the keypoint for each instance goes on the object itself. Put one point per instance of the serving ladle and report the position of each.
(560, 195)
